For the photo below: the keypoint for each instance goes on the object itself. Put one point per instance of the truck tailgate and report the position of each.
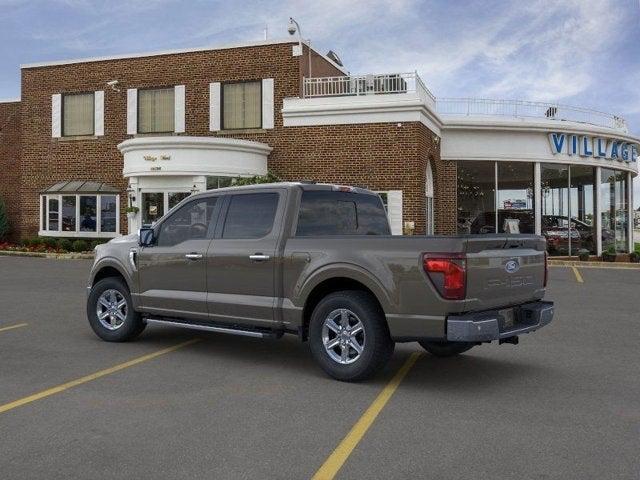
(504, 270)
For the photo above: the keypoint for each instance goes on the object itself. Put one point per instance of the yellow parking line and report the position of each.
(577, 274)
(11, 327)
(332, 465)
(94, 376)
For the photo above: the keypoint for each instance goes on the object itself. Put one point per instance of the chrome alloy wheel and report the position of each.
(343, 336)
(112, 309)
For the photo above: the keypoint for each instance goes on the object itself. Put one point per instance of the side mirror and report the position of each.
(146, 237)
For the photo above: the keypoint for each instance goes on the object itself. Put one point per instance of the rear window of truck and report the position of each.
(341, 213)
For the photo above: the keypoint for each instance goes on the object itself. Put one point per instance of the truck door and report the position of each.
(172, 272)
(242, 259)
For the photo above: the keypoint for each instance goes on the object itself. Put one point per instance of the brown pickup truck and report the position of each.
(317, 261)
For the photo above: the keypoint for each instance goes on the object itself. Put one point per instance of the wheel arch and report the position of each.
(109, 269)
(328, 284)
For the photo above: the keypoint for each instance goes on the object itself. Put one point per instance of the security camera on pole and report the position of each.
(292, 29)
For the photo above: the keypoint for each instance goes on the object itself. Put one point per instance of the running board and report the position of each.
(212, 328)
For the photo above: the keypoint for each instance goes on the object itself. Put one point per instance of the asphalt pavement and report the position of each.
(564, 403)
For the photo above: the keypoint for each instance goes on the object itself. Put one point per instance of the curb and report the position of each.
(603, 265)
(57, 256)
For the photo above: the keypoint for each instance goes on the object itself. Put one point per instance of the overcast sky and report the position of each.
(581, 52)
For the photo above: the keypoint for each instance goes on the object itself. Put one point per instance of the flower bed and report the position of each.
(51, 245)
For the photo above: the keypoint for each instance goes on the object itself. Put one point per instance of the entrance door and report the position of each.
(172, 272)
(242, 259)
(152, 207)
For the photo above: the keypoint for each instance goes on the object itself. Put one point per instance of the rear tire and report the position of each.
(110, 311)
(349, 337)
(446, 349)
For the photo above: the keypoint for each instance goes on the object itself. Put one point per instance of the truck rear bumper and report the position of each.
(499, 324)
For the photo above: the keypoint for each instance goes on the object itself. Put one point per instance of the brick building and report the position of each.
(90, 137)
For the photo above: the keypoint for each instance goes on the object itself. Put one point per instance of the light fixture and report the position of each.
(194, 189)
(131, 193)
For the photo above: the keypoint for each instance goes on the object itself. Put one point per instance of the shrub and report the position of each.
(50, 242)
(65, 244)
(268, 178)
(98, 241)
(80, 246)
(26, 242)
(4, 221)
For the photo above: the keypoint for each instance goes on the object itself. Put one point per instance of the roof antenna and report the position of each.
(266, 32)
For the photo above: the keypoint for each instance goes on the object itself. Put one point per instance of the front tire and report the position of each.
(349, 337)
(110, 311)
(445, 349)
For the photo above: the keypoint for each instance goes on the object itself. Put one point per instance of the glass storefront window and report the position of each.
(476, 197)
(613, 208)
(69, 214)
(88, 214)
(515, 198)
(555, 208)
(582, 208)
(108, 213)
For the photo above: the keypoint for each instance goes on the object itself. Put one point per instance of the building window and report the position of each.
(515, 198)
(78, 114)
(476, 197)
(219, 182)
(156, 110)
(613, 207)
(79, 216)
(242, 105)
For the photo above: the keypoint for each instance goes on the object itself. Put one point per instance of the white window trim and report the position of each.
(132, 111)
(215, 112)
(56, 115)
(179, 109)
(98, 113)
(44, 221)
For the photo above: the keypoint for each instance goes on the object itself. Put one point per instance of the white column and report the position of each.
(598, 209)
(537, 197)
(630, 211)
(133, 224)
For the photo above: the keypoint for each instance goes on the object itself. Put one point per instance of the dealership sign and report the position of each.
(597, 147)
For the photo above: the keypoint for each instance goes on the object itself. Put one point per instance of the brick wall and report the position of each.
(445, 183)
(45, 161)
(9, 160)
(377, 156)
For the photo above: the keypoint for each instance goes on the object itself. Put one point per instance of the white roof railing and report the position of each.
(527, 109)
(401, 83)
(356, 85)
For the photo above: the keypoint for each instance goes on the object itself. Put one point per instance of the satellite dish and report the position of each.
(334, 56)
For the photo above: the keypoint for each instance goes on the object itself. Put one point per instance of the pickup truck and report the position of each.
(317, 261)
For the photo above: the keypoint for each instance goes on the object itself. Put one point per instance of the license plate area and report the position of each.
(507, 319)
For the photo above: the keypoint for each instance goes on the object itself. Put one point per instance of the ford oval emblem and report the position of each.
(512, 266)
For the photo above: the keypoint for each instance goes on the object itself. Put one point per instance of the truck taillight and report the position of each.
(546, 268)
(448, 273)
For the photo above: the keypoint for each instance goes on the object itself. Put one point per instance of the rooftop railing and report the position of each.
(356, 85)
(399, 83)
(526, 109)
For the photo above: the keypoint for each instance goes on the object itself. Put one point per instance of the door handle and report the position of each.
(259, 257)
(193, 256)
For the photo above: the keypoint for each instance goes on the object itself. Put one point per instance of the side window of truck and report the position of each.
(250, 215)
(341, 213)
(190, 222)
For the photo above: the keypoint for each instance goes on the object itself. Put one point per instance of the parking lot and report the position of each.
(565, 403)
